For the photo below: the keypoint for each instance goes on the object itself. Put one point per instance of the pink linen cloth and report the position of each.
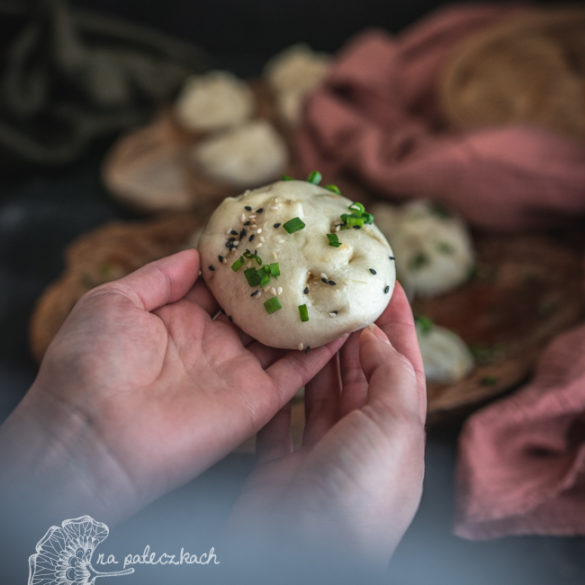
(521, 460)
(376, 118)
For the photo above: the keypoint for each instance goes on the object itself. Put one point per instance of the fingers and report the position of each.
(202, 296)
(296, 368)
(354, 382)
(274, 440)
(398, 324)
(393, 382)
(322, 402)
(158, 283)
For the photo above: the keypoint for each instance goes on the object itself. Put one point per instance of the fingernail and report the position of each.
(375, 330)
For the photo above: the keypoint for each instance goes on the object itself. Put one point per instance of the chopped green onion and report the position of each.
(333, 189)
(333, 240)
(440, 210)
(252, 276)
(272, 305)
(424, 323)
(445, 248)
(303, 312)
(250, 256)
(294, 225)
(275, 269)
(357, 206)
(418, 261)
(314, 177)
(238, 264)
(264, 279)
(353, 221)
(368, 217)
(287, 178)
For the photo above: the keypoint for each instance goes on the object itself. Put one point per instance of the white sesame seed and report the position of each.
(301, 346)
(273, 290)
(279, 290)
(259, 231)
(323, 275)
(259, 245)
(261, 238)
(273, 207)
(333, 314)
(242, 217)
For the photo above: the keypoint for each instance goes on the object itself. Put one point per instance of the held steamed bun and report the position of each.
(286, 263)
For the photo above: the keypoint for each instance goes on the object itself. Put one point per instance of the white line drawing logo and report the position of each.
(63, 555)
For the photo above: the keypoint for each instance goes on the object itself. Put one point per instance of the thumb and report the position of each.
(393, 380)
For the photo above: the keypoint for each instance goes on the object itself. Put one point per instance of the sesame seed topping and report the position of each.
(301, 346)
(251, 237)
(391, 258)
(211, 267)
(306, 291)
(247, 208)
(372, 270)
(279, 290)
(231, 319)
(259, 231)
(324, 280)
(243, 218)
(243, 233)
(261, 238)
(276, 225)
(220, 257)
(255, 293)
(332, 283)
(273, 290)
(233, 232)
(247, 222)
(357, 227)
(260, 210)
(386, 289)
(259, 245)
(323, 275)
(307, 349)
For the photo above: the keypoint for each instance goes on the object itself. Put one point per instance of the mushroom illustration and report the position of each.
(63, 555)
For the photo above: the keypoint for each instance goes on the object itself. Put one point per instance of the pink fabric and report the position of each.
(522, 460)
(376, 119)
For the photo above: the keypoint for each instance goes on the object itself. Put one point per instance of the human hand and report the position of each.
(356, 481)
(141, 390)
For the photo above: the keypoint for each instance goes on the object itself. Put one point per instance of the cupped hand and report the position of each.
(142, 389)
(356, 481)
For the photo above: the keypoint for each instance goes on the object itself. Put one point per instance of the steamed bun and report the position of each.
(343, 287)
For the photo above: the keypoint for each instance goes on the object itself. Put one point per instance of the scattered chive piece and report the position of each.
(386, 289)
(424, 323)
(306, 291)
(287, 178)
(488, 381)
(418, 261)
(372, 271)
(252, 276)
(333, 189)
(238, 264)
(357, 206)
(445, 248)
(275, 269)
(304, 312)
(249, 256)
(294, 225)
(272, 305)
(314, 177)
(333, 240)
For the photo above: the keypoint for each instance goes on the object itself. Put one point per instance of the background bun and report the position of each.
(343, 287)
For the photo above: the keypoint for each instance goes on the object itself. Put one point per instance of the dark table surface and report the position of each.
(41, 211)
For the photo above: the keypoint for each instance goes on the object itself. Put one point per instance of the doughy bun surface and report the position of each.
(344, 288)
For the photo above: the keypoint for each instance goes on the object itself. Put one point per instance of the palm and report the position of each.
(183, 386)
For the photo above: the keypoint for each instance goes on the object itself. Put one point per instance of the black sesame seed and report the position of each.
(332, 283)
(247, 222)
(391, 258)
(256, 292)
(276, 225)
(386, 290)
(306, 291)
(230, 318)
(307, 349)
(251, 237)
(232, 238)
(247, 208)
(260, 210)
(243, 233)
(334, 312)
(372, 270)
(233, 232)
(324, 280)
(220, 258)
(211, 267)
(357, 227)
